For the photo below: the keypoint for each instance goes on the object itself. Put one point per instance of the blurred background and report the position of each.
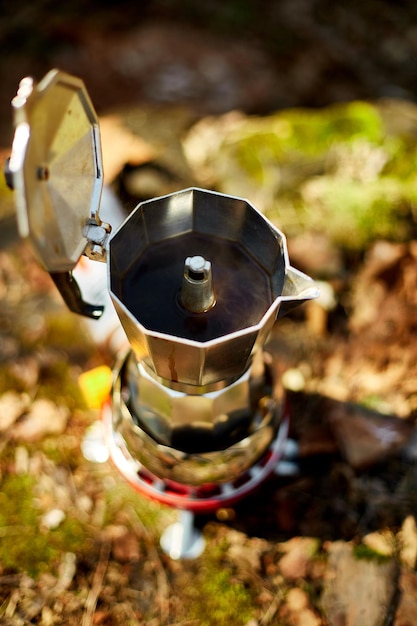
(163, 65)
(254, 55)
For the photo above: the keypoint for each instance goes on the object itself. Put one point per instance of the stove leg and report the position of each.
(93, 445)
(182, 540)
(288, 465)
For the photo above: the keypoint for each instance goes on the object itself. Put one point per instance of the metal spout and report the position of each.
(298, 288)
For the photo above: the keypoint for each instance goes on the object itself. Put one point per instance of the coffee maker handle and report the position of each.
(71, 294)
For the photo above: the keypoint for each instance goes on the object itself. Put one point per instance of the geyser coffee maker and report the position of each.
(198, 279)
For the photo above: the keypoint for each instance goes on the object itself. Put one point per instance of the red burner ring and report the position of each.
(205, 498)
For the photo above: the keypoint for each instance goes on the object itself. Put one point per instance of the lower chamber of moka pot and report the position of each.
(177, 458)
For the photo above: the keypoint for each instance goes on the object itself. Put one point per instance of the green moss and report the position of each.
(6, 199)
(24, 547)
(298, 136)
(302, 134)
(342, 169)
(357, 212)
(313, 132)
(70, 536)
(63, 450)
(65, 330)
(60, 382)
(122, 498)
(70, 350)
(215, 596)
(8, 380)
(361, 551)
(376, 402)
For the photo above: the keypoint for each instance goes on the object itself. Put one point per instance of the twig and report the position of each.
(97, 584)
(12, 530)
(160, 573)
(273, 608)
(12, 604)
(10, 579)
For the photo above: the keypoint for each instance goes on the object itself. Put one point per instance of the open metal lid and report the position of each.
(57, 168)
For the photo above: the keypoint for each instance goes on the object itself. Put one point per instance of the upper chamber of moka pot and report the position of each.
(252, 284)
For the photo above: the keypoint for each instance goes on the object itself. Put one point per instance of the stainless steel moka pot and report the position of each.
(197, 278)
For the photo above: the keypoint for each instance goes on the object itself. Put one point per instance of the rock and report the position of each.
(296, 600)
(126, 548)
(358, 592)
(125, 544)
(297, 611)
(43, 418)
(310, 427)
(407, 605)
(245, 554)
(12, 406)
(26, 371)
(315, 254)
(382, 542)
(410, 449)
(52, 519)
(364, 436)
(299, 552)
(408, 538)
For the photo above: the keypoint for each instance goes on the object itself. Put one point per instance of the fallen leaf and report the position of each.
(12, 406)
(366, 437)
(120, 146)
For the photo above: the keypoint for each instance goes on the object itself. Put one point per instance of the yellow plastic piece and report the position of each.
(95, 386)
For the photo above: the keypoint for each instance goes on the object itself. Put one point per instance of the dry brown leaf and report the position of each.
(43, 418)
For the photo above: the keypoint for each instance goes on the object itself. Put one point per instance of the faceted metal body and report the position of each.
(254, 280)
(194, 439)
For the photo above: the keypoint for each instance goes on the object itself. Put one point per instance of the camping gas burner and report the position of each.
(198, 279)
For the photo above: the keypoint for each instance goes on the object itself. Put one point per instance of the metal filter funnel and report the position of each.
(200, 328)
